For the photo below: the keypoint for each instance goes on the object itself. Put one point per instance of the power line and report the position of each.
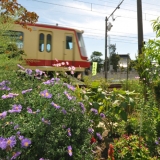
(88, 9)
(98, 30)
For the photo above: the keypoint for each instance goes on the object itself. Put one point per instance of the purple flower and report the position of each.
(68, 96)
(46, 94)
(10, 95)
(3, 143)
(46, 121)
(82, 107)
(156, 142)
(70, 86)
(55, 105)
(11, 142)
(69, 132)
(25, 142)
(29, 110)
(18, 133)
(4, 83)
(70, 150)
(3, 114)
(41, 159)
(16, 127)
(48, 82)
(99, 136)
(38, 72)
(64, 111)
(20, 67)
(25, 91)
(16, 108)
(21, 137)
(15, 155)
(90, 130)
(102, 115)
(28, 71)
(94, 111)
(5, 88)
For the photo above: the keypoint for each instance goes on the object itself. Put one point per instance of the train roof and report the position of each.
(54, 26)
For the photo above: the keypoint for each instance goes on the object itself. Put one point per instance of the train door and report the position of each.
(45, 48)
(69, 48)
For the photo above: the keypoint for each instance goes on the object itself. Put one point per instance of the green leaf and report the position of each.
(123, 115)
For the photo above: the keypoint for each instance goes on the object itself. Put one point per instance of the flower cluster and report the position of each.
(25, 91)
(46, 121)
(68, 96)
(3, 85)
(82, 107)
(69, 132)
(60, 64)
(70, 150)
(130, 147)
(52, 81)
(10, 95)
(11, 142)
(95, 111)
(29, 110)
(15, 108)
(69, 86)
(55, 105)
(15, 155)
(72, 69)
(46, 94)
(3, 115)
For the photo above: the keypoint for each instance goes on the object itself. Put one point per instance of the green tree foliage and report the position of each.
(132, 64)
(96, 57)
(112, 48)
(4, 27)
(114, 59)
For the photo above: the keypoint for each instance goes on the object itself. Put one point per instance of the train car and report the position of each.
(46, 45)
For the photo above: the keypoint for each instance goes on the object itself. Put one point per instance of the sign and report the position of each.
(94, 68)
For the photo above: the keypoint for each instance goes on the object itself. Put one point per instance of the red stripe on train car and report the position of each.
(61, 28)
(32, 62)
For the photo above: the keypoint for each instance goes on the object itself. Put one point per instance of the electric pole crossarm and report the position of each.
(115, 9)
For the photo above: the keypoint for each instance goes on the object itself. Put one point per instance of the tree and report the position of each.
(12, 12)
(114, 59)
(112, 49)
(132, 64)
(96, 57)
(10, 9)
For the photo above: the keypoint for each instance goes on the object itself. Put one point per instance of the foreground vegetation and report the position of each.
(48, 118)
(51, 119)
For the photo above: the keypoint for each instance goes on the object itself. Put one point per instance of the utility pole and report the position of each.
(107, 28)
(140, 26)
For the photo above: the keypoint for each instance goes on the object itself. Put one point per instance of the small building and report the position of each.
(124, 60)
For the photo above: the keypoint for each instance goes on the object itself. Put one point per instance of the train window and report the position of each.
(69, 43)
(16, 37)
(41, 42)
(81, 44)
(49, 42)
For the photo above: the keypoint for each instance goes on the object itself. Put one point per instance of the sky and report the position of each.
(89, 16)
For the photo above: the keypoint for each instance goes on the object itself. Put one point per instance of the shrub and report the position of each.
(42, 118)
(130, 148)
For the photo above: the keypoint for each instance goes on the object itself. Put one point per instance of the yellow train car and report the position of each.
(47, 45)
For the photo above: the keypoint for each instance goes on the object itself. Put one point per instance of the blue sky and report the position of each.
(89, 15)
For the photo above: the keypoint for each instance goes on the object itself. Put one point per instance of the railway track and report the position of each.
(76, 82)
